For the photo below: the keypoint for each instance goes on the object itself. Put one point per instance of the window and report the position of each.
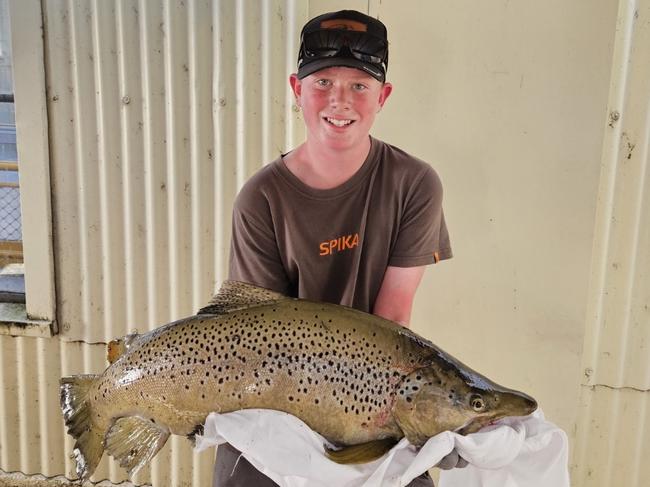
(27, 304)
(12, 284)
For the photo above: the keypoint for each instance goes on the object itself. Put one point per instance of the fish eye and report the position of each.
(477, 403)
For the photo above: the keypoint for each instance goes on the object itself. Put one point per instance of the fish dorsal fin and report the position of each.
(118, 347)
(361, 453)
(133, 441)
(235, 295)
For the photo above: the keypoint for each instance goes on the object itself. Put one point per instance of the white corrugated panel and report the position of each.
(612, 444)
(157, 111)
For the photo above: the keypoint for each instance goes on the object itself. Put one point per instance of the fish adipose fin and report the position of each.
(361, 453)
(235, 295)
(88, 448)
(133, 441)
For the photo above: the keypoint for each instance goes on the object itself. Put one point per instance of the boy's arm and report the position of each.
(422, 240)
(395, 299)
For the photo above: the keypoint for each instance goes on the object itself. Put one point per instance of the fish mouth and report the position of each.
(476, 424)
(514, 403)
(524, 406)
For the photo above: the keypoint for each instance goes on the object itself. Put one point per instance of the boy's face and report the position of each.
(339, 105)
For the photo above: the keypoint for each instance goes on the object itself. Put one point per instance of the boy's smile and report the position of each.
(339, 123)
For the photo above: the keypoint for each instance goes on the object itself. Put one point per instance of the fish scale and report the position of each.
(359, 380)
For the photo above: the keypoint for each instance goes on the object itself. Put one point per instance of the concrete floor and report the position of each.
(17, 479)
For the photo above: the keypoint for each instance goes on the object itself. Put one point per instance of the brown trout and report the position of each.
(361, 381)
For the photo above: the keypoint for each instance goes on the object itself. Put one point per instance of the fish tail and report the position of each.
(77, 410)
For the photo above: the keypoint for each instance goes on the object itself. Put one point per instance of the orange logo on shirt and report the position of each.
(339, 245)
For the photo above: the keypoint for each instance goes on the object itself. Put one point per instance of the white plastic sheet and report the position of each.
(517, 452)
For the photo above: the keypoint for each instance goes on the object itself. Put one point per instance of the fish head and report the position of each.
(434, 399)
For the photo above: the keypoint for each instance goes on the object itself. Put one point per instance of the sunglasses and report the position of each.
(326, 43)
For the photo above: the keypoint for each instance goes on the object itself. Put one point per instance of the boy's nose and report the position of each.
(339, 97)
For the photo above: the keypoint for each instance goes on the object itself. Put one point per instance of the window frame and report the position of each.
(38, 316)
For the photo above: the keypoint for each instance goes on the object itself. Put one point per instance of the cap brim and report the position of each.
(317, 65)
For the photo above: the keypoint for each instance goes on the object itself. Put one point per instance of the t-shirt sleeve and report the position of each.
(254, 255)
(422, 237)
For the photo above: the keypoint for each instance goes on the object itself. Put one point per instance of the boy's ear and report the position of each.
(296, 86)
(385, 92)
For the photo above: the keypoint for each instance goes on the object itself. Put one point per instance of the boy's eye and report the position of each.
(323, 82)
(359, 86)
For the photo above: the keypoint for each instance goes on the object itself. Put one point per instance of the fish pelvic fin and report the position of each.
(133, 441)
(361, 453)
(88, 448)
(198, 430)
(235, 295)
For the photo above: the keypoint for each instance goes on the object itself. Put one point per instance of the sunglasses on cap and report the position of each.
(326, 43)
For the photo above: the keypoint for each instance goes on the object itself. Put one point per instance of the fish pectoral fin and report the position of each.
(235, 295)
(133, 441)
(361, 453)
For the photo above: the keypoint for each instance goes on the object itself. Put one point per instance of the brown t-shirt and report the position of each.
(334, 244)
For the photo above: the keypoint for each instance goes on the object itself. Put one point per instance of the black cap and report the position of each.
(371, 34)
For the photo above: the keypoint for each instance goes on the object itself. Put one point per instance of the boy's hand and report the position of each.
(453, 460)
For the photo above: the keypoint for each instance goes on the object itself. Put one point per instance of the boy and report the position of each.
(343, 218)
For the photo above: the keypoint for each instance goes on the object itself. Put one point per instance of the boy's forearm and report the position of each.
(395, 299)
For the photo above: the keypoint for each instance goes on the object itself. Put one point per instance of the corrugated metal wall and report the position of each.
(613, 434)
(158, 111)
